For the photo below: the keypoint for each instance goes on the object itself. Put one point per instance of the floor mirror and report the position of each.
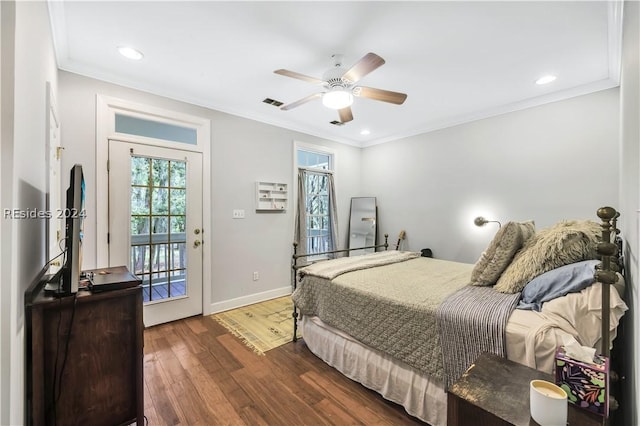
(363, 225)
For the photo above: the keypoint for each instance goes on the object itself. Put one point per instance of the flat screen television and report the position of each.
(66, 281)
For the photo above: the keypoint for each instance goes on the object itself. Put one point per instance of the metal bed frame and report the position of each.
(611, 261)
(295, 266)
(609, 251)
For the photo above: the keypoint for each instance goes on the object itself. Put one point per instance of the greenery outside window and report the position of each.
(316, 228)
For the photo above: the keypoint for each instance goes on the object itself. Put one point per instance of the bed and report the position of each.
(408, 326)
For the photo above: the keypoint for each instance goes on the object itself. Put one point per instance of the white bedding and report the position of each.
(532, 339)
(330, 270)
(391, 308)
(420, 396)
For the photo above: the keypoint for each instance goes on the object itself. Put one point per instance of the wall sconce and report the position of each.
(481, 221)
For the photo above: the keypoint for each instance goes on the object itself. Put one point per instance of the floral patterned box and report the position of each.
(586, 384)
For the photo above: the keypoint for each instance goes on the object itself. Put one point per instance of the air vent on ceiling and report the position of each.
(336, 123)
(272, 102)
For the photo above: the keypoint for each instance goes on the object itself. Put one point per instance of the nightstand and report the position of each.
(495, 391)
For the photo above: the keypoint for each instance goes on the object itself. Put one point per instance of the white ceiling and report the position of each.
(457, 61)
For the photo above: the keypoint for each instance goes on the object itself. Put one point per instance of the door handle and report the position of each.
(196, 243)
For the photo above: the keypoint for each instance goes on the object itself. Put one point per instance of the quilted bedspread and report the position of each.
(391, 308)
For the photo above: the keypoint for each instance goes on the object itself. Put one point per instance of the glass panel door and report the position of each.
(157, 232)
(158, 217)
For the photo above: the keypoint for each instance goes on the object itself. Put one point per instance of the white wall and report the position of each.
(450, 176)
(242, 152)
(7, 30)
(630, 199)
(32, 62)
(552, 162)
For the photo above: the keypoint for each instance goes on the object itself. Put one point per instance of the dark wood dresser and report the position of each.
(495, 391)
(84, 358)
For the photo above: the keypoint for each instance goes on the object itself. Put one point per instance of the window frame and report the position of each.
(316, 149)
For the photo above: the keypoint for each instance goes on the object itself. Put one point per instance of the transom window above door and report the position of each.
(155, 129)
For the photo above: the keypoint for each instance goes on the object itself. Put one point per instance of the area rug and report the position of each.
(261, 326)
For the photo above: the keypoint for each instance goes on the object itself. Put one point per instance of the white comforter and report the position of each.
(330, 270)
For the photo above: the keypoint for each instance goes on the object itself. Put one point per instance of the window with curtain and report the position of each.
(316, 225)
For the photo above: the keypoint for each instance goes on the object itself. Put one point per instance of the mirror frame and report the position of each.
(370, 213)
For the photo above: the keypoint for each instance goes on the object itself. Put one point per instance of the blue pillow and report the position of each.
(556, 283)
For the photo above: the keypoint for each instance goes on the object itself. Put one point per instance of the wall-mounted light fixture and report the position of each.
(481, 221)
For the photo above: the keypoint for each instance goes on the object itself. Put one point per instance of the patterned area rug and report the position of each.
(262, 326)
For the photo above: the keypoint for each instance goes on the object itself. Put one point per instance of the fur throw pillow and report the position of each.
(499, 254)
(565, 242)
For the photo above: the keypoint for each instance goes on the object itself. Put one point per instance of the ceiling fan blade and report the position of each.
(345, 115)
(299, 76)
(364, 66)
(380, 95)
(301, 101)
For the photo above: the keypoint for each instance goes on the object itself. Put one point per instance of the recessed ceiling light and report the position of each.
(130, 52)
(365, 132)
(545, 79)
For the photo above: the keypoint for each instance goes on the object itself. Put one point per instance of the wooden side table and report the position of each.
(495, 391)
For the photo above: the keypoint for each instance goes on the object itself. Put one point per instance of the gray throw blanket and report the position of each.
(471, 321)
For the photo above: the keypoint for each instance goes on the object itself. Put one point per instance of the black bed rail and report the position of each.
(295, 267)
(297, 256)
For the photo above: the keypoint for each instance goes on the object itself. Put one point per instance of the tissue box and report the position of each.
(586, 384)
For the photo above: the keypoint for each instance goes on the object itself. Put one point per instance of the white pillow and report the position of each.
(583, 310)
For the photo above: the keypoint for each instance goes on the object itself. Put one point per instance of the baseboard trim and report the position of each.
(248, 300)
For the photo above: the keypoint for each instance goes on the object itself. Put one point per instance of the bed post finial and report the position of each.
(607, 213)
(606, 249)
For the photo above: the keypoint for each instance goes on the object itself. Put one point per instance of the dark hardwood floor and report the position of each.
(197, 373)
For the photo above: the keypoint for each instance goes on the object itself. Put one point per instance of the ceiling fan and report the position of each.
(340, 86)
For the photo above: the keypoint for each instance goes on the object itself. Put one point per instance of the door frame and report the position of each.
(168, 309)
(55, 198)
(106, 109)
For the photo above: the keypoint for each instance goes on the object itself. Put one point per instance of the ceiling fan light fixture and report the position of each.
(337, 98)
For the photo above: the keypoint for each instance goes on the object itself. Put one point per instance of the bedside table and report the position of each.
(495, 391)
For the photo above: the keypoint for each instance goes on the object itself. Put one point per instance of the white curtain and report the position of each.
(300, 231)
(333, 217)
